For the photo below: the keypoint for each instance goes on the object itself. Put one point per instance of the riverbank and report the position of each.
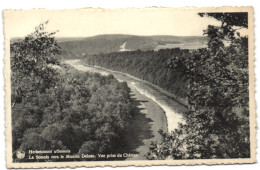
(173, 109)
(148, 117)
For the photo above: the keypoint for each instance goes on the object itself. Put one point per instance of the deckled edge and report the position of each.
(252, 104)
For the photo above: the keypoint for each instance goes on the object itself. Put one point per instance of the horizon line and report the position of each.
(123, 34)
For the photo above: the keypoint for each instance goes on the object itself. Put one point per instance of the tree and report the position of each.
(62, 108)
(31, 59)
(231, 23)
(217, 124)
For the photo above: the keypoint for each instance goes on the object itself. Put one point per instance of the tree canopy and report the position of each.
(31, 58)
(57, 107)
(217, 123)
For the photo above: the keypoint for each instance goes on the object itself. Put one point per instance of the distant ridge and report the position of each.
(77, 47)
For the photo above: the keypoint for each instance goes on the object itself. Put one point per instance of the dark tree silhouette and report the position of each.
(58, 107)
(30, 60)
(217, 124)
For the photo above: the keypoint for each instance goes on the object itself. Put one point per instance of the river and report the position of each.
(156, 109)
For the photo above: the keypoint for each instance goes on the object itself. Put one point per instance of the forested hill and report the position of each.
(85, 113)
(57, 107)
(147, 65)
(78, 47)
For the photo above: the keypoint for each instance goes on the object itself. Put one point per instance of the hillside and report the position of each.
(147, 65)
(78, 47)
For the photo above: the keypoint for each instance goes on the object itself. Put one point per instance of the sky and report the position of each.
(91, 22)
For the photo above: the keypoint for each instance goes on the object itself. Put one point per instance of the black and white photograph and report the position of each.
(140, 87)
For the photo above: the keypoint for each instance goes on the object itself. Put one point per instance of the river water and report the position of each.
(171, 107)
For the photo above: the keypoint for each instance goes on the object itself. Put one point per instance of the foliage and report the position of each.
(61, 108)
(32, 56)
(217, 124)
(146, 65)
